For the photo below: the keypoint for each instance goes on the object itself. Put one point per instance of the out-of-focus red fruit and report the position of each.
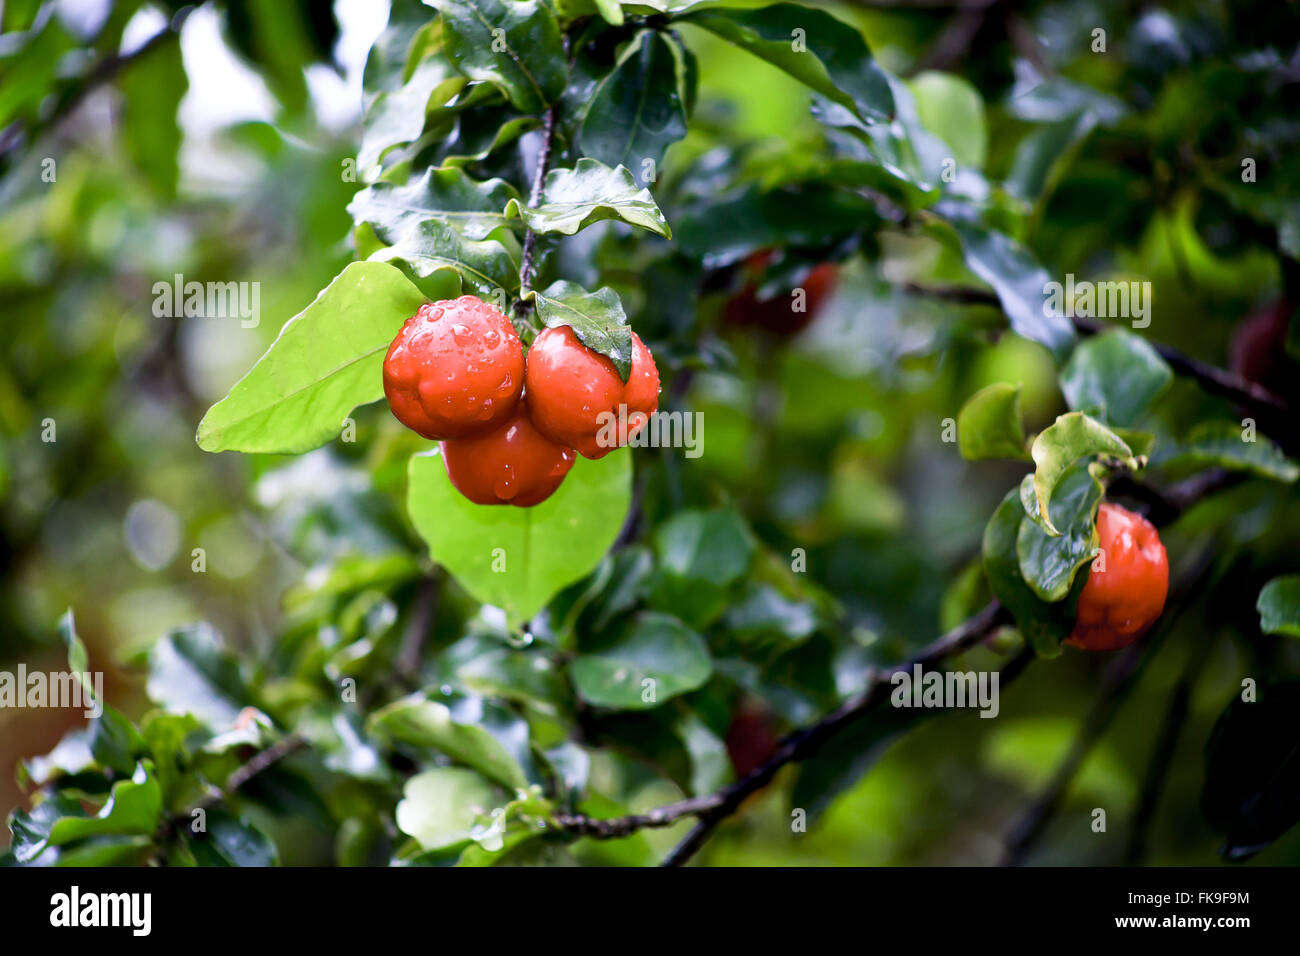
(778, 314)
(1258, 351)
(751, 738)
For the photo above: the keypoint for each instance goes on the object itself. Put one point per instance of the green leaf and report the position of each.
(1228, 445)
(444, 806)
(515, 45)
(114, 741)
(151, 94)
(134, 807)
(1279, 606)
(836, 62)
(190, 673)
(597, 319)
(1015, 276)
(637, 111)
(1115, 376)
(710, 763)
(230, 841)
(654, 658)
(951, 108)
(710, 546)
(989, 424)
(1048, 563)
(473, 209)
(544, 548)
(485, 267)
(1043, 625)
(31, 828)
(1044, 152)
(327, 360)
(573, 199)
(1071, 437)
(428, 723)
(399, 117)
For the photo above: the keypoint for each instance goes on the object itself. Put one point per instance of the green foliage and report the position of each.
(431, 682)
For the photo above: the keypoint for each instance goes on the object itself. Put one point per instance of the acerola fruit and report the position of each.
(1118, 604)
(455, 369)
(513, 465)
(571, 388)
(777, 314)
(751, 738)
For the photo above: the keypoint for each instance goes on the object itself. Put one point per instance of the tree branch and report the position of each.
(1214, 380)
(527, 260)
(103, 71)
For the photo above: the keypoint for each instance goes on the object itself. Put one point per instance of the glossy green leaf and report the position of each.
(1043, 625)
(1016, 277)
(190, 673)
(151, 95)
(326, 361)
(515, 45)
(1228, 445)
(399, 117)
(114, 741)
(715, 547)
(653, 659)
(443, 807)
(473, 209)
(1071, 437)
(597, 319)
(990, 424)
(1115, 376)
(230, 841)
(134, 807)
(429, 723)
(1048, 563)
(542, 548)
(573, 199)
(823, 53)
(1279, 606)
(637, 111)
(951, 108)
(486, 267)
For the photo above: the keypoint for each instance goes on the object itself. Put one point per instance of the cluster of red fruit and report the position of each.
(509, 426)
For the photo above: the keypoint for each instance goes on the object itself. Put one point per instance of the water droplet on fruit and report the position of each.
(461, 334)
(491, 338)
(486, 413)
(504, 487)
(507, 383)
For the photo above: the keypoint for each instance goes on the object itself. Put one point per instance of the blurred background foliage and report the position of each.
(220, 154)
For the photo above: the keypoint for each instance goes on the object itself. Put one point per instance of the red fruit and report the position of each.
(1117, 605)
(513, 465)
(751, 738)
(1258, 351)
(777, 314)
(455, 369)
(570, 388)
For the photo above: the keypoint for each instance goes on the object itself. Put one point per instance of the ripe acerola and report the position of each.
(778, 314)
(515, 464)
(570, 389)
(455, 369)
(1117, 605)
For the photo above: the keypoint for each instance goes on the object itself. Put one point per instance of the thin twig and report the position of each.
(417, 631)
(1215, 380)
(527, 261)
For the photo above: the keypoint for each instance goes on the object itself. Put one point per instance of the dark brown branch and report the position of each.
(261, 761)
(527, 262)
(417, 631)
